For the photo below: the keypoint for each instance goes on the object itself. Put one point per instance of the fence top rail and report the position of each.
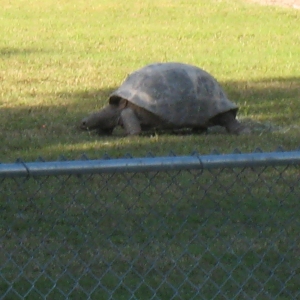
(147, 164)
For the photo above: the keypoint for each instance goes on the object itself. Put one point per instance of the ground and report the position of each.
(290, 3)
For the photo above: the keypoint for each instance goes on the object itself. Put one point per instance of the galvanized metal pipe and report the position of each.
(147, 164)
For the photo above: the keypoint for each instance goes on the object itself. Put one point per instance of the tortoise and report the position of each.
(166, 96)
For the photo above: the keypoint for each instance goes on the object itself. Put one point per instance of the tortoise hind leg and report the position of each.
(130, 122)
(232, 125)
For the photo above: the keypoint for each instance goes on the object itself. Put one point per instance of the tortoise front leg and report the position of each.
(130, 122)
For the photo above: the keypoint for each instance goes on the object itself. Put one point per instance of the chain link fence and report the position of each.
(186, 227)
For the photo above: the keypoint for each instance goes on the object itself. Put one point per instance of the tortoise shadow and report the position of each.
(55, 127)
(11, 51)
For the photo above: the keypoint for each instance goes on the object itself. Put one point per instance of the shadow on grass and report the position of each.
(264, 89)
(273, 100)
(267, 106)
(98, 95)
(10, 51)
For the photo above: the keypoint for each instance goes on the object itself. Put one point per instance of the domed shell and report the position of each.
(179, 94)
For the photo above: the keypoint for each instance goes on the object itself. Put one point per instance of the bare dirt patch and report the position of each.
(287, 3)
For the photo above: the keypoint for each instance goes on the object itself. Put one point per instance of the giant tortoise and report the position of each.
(166, 96)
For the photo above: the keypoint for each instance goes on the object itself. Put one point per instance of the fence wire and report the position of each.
(198, 227)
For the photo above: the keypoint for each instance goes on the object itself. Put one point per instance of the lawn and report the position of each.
(60, 62)
(228, 231)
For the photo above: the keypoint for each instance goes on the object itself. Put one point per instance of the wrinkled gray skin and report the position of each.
(166, 96)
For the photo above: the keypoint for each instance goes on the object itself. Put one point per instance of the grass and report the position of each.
(59, 62)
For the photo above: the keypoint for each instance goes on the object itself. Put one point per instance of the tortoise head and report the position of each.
(104, 120)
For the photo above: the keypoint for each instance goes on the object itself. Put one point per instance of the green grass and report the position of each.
(59, 62)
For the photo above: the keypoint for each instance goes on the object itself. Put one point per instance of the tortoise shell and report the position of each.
(179, 94)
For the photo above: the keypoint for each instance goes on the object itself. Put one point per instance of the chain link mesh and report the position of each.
(226, 233)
